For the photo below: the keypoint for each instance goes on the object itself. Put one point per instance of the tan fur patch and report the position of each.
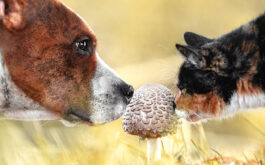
(218, 62)
(248, 46)
(246, 87)
(205, 52)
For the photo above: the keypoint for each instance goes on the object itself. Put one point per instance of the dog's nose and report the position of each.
(127, 91)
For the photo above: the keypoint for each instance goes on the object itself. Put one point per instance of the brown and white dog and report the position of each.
(49, 67)
(224, 75)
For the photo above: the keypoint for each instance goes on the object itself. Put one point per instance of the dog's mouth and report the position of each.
(98, 115)
(77, 116)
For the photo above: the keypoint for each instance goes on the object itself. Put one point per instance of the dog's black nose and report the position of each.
(127, 91)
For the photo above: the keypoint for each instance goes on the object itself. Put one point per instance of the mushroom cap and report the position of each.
(151, 112)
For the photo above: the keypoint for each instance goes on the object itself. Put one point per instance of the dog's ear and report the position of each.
(195, 40)
(11, 14)
(191, 55)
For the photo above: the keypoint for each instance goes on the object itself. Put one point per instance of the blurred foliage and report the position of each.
(137, 39)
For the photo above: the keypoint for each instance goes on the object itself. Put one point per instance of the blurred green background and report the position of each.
(137, 39)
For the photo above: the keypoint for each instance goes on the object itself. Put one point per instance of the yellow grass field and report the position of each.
(137, 38)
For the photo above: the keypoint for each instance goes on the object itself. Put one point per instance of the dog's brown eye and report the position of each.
(84, 46)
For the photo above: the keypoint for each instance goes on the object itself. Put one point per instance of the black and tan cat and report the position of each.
(225, 75)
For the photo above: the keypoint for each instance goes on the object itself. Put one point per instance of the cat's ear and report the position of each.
(195, 40)
(191, 55)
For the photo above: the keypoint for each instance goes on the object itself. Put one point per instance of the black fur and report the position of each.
(259, 78)
(196, 80)
(195, 40)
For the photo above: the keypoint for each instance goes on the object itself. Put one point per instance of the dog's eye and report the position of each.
(84, 46)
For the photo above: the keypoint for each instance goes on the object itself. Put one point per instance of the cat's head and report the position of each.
(215, 71)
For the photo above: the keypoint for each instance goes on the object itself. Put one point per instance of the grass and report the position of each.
(23, 143)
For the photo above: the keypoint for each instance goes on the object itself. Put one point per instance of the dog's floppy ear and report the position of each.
(195, 40)
(191, 55)
(11, 14)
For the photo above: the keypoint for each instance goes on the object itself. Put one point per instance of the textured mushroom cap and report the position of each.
(151, 113)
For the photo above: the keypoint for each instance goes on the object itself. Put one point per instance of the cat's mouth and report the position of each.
(179, 92)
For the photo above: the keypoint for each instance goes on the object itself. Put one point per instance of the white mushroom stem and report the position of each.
(154, 148)
(196, 143)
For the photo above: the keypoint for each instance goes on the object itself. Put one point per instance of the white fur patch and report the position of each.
(29, 115)
(243, 102)
(107, 104)
(181, 113)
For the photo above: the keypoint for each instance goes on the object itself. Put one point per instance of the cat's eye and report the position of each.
(84, 46)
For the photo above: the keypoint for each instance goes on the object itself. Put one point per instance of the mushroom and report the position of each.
(151, 115)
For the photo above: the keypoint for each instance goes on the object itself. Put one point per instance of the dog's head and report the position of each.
(219, 74)
(50, 53)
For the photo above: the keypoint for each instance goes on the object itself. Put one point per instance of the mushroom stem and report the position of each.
(154, 149)
(196, 143)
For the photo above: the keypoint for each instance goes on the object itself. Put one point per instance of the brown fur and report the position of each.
(244, 85)
(209, 104)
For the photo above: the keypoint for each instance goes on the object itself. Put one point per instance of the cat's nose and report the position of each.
(181, 86)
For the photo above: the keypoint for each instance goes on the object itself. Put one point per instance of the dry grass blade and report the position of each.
(198, 148)
(220, 155)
